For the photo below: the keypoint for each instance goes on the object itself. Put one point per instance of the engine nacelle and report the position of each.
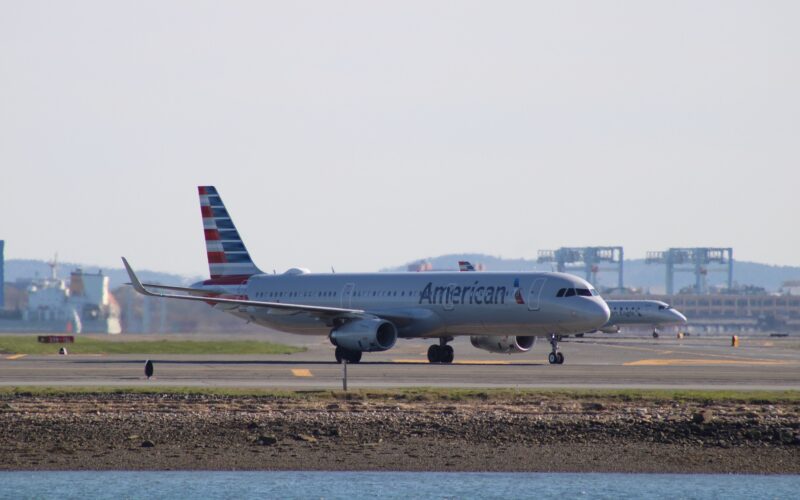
(610, 329)
(504, 345)
(366, 335)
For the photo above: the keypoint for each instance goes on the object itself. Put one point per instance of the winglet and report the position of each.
(137, 285)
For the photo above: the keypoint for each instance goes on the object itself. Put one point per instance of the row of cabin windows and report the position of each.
(277, 295)
(636, 308)
(372, 293)
(571, 292)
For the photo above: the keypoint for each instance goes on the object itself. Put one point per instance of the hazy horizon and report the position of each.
(357, 134)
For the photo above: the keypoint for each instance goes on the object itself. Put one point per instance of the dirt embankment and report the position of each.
(534, 433)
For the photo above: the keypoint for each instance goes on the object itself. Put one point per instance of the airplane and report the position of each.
(501, 312)
(653, 313)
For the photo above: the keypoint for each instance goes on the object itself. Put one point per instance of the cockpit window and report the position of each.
(570, 292)
(561, 292)
(594, 292)
(661, 308)
(584, 292)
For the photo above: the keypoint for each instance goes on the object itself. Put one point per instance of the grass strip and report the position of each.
(23, 344)
(430, 394)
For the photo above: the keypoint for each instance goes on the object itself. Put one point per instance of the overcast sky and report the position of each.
(367, 134)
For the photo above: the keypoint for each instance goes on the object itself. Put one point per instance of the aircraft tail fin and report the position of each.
(465, 265)
(227, 255)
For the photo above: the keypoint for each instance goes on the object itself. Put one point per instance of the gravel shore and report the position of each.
(531, 433)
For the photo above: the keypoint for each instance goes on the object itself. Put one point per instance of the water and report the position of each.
(347, 485)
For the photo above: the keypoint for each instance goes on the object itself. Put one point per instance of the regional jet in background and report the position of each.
(651, 313)
(501, 312)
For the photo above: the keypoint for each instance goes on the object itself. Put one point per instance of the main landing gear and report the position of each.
(343, 354)
(655, 333)
(555, 357)
(441, 353)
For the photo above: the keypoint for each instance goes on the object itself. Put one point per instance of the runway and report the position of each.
(591, 363)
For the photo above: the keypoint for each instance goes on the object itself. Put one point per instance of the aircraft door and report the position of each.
(534, 293)
(347, 294)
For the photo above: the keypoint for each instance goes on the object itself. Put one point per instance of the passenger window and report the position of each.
(570, 292)
(561, 292)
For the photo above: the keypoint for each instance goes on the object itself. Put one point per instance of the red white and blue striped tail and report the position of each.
(465, 265)
(227, 255)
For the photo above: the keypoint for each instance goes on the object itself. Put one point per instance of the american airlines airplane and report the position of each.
(501, 312)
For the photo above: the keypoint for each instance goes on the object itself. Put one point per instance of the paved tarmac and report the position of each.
(591, 362)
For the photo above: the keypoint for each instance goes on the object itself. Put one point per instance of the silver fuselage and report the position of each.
(425, 304)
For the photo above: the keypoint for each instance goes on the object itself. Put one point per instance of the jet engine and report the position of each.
(366, 335)
(610, 329)
(505, 345)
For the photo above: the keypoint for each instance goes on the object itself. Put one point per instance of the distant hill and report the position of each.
(636, 273)
(24, 269)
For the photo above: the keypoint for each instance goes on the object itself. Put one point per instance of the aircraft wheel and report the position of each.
(434, 354)
(447, 354)
(348, 355)
(655, 334)
(559, 358)
(552, 358)
(354, 357)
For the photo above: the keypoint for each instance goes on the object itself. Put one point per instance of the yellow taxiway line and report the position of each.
(732, 357)
(301, 372)
(16, 356)
(701, 362)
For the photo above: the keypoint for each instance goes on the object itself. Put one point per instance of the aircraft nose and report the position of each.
(679, 317)
(602, 313)
(593, 314)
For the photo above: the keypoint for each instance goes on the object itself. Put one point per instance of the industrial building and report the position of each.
(587, 262)
(699, 260)
(2, 275)
(81, 305)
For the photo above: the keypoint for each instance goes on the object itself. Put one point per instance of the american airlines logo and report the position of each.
(475, 294)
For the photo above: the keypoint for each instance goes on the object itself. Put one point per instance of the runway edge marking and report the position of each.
(16, 356)
(301, 372)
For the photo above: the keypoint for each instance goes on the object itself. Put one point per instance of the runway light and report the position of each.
(148, 369)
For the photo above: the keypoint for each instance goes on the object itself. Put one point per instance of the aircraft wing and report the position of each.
(192, 291)
(314, 310)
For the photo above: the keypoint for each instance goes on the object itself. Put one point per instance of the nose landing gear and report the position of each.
(555, 357)
(441, 353)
